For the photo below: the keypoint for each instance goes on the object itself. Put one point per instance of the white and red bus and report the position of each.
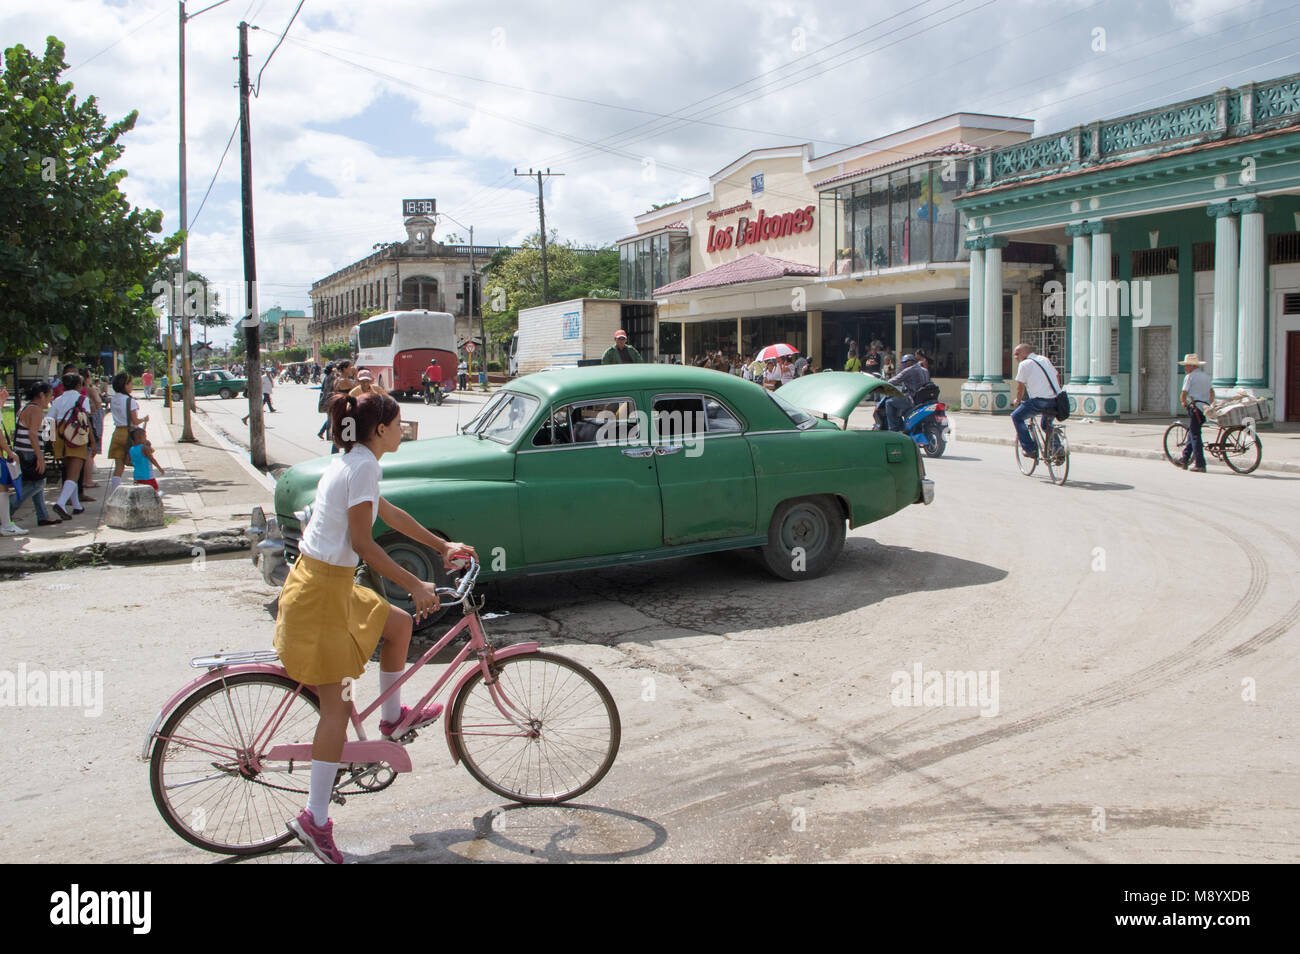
(397, 346)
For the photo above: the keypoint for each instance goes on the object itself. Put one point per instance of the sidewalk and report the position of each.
(1135, 437)
(207, 498)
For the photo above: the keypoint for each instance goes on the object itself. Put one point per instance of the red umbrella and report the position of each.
(772, 352)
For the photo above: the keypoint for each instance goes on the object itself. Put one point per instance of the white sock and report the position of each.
(66, 492)
(391, 710)
(318, 792)
(112, 484)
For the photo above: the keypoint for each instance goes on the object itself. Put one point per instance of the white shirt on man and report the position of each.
(351, 478)
(1197, 385)
(1035, 373)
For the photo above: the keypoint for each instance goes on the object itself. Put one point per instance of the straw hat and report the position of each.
(1192, 358)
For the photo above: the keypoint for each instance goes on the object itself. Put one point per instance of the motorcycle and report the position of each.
(926, 423)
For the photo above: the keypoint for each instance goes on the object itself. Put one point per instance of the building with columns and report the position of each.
(418, 273)
(1178, 229)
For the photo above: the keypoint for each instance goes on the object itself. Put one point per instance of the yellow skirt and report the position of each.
(327, 627)
(117, 449)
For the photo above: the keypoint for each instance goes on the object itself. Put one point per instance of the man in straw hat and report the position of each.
(1197, 393)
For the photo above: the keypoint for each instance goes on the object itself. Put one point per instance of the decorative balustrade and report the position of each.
(1229, 112)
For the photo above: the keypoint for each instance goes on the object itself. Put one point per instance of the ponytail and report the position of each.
(353, 419)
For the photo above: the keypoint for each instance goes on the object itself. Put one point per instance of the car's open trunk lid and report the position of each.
(835, 393)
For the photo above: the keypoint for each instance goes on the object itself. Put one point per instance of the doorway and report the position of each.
(1154, 367)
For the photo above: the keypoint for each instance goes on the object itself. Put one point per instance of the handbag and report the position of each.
(74, 428)
(1062, 399)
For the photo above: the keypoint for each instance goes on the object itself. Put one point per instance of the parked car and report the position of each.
(208, 383)
(595, 467)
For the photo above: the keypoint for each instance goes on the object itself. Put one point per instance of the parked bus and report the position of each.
(398, 345)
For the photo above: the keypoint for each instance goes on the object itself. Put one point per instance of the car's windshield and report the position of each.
(509, 419)
(799, 417)
(485, 413)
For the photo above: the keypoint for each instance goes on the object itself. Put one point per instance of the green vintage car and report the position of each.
(593, 467)
(207, 383)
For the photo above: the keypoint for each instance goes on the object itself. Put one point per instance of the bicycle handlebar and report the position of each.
(466, 586)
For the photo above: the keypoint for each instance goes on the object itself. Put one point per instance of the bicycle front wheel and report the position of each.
(1175, 441)
(208, 774)
(546, 731)
(1058, 457)
(1026, 464)
(1242, 450)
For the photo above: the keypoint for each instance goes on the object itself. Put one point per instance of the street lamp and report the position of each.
(187, 369)
(473, 296)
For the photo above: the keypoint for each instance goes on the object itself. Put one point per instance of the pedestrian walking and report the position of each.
(31, 456)
(146, 381)
(1197, 394)
(71, 427)
(126, 415)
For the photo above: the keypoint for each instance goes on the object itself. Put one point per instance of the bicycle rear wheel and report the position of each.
(553, 736)
(1175, 441)
(206, 775)
(1242, 450)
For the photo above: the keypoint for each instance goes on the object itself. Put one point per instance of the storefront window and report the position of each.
(679, 256)
(879, 203)
(922, 209)
(659, 257)
(861, 205)
(670, 340)
(826, 231)
(942, 330)
(950, 226)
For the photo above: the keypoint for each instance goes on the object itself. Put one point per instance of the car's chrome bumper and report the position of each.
(927, 490)
(267, 547)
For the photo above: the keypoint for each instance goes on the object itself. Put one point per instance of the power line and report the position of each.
(134, 30)
(213, 180)
(258, 85)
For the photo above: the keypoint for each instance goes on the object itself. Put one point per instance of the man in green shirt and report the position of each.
(621, 352)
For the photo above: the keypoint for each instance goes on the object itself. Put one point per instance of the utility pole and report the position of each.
(541, 211)
(251, 321)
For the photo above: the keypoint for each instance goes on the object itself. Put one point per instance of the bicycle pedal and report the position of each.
(338, 799)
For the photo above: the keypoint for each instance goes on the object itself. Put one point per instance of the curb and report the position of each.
(1287, 467)
(154, 550)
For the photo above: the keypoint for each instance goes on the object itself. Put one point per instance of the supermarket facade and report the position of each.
(1113, 248)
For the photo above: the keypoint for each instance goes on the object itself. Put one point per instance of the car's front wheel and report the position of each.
(804, 538)
(226, 394)
(421, 562)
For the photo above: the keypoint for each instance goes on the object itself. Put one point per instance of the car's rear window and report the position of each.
(799, 417)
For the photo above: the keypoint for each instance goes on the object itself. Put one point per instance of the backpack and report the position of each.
(74, 427)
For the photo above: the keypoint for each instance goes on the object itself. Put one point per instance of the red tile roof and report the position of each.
(952, 149)
(751, 268)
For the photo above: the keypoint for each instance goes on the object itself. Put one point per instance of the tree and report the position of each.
(74, 253)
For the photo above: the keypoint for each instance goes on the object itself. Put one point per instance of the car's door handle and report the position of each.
(638, 451)
(663, 450)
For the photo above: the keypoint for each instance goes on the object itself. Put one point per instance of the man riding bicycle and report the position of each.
(433, 382)
(1036, 388)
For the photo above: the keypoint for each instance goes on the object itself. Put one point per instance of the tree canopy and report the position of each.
(513, 280)
(75, 255)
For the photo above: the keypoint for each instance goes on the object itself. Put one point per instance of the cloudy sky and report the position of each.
(371, 101)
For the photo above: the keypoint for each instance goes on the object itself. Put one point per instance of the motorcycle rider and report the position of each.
(433, 382)
(910, 379)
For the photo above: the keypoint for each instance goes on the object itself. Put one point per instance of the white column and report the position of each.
(1250, 310)
(1080, 321)
(1227, 262)
(1102, 320)
(976, 357)
(993, 314)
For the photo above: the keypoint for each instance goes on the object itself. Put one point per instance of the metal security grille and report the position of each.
(1049, 342)
(1291, 303)
(1284, 248)
(1202, 256)
(1155, 261)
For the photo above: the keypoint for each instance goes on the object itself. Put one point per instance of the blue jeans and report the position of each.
(896, 409)
(1026, 409)
(1195, 449)
(35, 489)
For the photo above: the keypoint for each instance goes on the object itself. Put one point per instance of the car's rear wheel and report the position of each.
(421, 562)
(804, 538)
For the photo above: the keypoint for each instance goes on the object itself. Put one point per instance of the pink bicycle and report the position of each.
(230, 754)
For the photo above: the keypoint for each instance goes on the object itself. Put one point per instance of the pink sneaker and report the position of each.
(319, 838)
(427, 715)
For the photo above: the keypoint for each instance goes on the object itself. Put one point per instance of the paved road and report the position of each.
(291, 430)
(1141, 623)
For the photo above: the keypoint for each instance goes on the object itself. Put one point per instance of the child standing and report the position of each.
(141, 454)
(328, 627)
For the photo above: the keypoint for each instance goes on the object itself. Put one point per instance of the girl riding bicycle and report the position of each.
(328, 627)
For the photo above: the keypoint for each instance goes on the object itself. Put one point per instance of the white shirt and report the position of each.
(63, 404)
(267, 383)
(121, 406)
(350, 479)
(1197, 385)
(1034, 373)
